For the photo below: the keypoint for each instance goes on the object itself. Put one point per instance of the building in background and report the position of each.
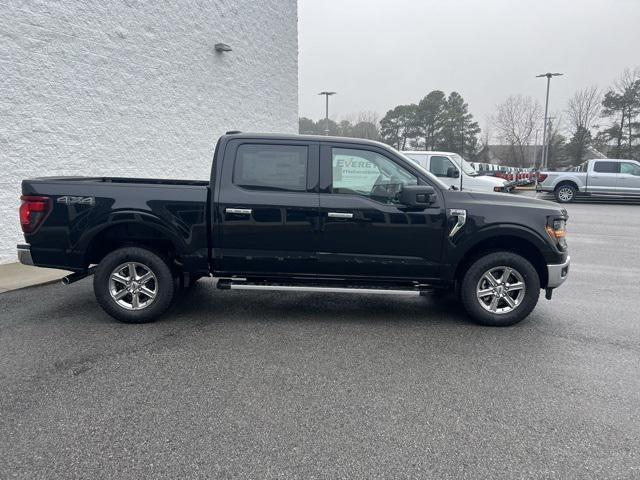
(136, 88)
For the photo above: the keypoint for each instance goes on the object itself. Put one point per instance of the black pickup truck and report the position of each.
(296, 213)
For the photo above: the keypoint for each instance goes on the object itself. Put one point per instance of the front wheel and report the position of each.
(134, 285)
(565, 193)
(500, 289)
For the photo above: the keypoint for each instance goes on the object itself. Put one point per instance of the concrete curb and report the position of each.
(15, 276)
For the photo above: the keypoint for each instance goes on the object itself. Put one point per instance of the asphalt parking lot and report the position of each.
(272, 385)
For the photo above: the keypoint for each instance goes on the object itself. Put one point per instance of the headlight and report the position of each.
(557, 230)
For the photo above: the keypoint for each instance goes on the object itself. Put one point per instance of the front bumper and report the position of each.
(504, 188)
(24, 254)
(558, 273)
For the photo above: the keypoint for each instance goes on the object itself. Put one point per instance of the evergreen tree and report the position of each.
(399, 125)
(429, 117)
(459, 131)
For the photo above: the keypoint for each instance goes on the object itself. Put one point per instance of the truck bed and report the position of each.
(121, 180)
(87, 213)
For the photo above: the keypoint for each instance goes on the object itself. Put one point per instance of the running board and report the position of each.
(328, 289)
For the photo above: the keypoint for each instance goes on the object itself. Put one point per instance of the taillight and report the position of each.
(33, 212)
(542, 177)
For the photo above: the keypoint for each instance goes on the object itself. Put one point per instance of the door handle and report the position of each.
(238, 211)
(340, 215)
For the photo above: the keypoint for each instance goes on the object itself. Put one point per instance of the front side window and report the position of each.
(361, 172)
(606, 167)
(630, 169)
(440, 166)
(271, 167)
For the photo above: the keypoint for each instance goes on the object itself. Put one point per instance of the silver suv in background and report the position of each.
(598, 177)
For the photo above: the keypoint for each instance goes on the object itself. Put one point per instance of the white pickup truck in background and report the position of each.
(604, 177)
(455, 171)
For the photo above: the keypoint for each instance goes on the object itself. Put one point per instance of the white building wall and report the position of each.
(133, 88)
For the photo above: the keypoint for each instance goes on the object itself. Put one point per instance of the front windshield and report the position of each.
(466, 166)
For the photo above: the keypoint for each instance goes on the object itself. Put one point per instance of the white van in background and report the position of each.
(449, 166)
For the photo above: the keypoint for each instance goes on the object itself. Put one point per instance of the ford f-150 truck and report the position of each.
(599, 177)
(296, 213)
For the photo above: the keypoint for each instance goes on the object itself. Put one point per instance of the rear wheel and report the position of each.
(134, 285)
(565, 193)
(500, 289)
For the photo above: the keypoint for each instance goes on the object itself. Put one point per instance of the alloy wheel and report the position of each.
(500, 289)
(565, 194)
(133, 286)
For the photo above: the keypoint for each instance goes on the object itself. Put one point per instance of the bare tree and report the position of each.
(515, 123)
(582, 110)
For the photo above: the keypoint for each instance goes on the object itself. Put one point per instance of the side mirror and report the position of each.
(452, 172)
(417, 196)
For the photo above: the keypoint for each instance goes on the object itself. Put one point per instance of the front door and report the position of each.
(443, 168)
(266, 222)
(365, 231)
(629, 178)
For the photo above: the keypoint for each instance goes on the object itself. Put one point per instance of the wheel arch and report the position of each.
(569, 182)
(513, 242)
(136, 229)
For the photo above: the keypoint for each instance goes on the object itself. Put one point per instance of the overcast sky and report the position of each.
(380, 53)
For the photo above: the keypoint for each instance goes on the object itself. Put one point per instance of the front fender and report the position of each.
(505, 234)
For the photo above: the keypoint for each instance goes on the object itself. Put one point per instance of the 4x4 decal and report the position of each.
(70, 200)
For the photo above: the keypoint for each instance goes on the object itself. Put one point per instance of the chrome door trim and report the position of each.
(340, 215)
(238, 211)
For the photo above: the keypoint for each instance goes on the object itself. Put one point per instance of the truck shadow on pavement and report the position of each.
(205, 302)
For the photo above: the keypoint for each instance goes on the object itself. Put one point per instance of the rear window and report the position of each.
(271, 167)
(606, 167)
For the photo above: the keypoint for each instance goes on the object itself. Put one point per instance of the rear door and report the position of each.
(266, 219)
(603, 178)
(629, 178)
(365, 232)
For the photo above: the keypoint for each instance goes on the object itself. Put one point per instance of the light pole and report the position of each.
(326, 117)
(546, 108)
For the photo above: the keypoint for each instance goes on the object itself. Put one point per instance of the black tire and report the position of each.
(474, 282)
(565, 193)
(162, 285)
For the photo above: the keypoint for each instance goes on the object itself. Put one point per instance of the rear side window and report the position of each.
(271, 167)
(606, 167)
